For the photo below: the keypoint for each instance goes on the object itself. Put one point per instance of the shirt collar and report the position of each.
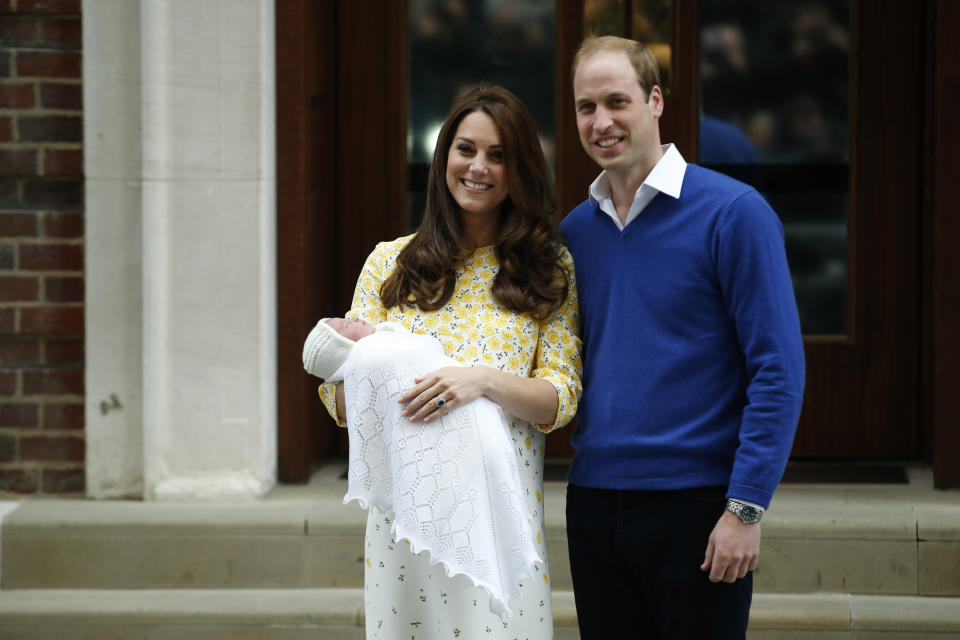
(666, 176)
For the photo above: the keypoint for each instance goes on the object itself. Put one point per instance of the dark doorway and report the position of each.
(342, 180)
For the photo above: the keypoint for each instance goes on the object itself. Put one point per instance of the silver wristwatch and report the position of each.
(746, 513)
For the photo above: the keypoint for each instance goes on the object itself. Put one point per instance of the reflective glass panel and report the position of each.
(603, 18)
(456, 44)
(774, 91)
(651, 22)
(647, 21)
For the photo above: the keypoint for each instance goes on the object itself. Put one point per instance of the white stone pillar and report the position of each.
(207, 233)
(113, 305)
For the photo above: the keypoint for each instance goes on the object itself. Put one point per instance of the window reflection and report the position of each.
(774, 88)
(455, 44)
(651, 22)
(647, 21)
(604, 18)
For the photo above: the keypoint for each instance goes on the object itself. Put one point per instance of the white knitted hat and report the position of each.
(325, 350)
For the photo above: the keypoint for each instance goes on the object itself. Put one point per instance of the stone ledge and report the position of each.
(836, 512)
(234, 607)
(830, 513)
(893, 613)
(869, 541)
(821, 613)
(313, 511)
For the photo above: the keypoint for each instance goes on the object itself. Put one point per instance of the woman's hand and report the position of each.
(437, 393)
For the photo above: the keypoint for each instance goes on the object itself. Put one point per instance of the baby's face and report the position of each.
(351, 328)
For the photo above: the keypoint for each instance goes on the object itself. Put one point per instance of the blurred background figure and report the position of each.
(774, 95)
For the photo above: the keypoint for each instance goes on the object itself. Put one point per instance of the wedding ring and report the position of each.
(440, 402)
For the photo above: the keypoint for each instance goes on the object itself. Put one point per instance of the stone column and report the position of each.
(113, 303)
(201, 389)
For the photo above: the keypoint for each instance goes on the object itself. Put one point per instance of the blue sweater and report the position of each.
(693, 357)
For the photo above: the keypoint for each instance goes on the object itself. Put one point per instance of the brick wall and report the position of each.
(41, 248)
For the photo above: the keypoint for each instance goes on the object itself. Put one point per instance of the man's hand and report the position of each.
(733, 549)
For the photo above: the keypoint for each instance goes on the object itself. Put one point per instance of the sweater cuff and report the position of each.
(750, 495)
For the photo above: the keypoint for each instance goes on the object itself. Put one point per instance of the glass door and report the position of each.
(815, 103)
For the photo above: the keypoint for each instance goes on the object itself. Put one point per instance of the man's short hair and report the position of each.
(643, 61)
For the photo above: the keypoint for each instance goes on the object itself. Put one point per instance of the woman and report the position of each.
(486, 276)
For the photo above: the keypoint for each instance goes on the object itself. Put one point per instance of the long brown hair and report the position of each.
(531, 279)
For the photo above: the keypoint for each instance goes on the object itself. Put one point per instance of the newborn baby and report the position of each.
(451, 484)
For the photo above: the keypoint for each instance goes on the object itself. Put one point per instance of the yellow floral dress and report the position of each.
(404, 597)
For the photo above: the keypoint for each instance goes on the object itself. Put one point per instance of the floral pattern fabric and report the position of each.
(404, 597)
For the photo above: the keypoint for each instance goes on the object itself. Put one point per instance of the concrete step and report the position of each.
(874, 539)
(337, 614)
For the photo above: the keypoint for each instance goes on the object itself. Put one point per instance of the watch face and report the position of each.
(748, 513)
(745, 512)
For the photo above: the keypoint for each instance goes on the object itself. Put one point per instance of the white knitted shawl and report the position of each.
(452, 485)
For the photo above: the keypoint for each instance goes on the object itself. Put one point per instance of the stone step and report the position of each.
(337, 614)
(866, 540)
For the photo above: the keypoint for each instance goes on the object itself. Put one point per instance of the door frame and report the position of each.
(341, 188)
(316, 267)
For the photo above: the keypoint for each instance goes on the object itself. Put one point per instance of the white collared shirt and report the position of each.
(666, 177)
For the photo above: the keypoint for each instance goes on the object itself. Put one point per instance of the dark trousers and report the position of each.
(635, 557)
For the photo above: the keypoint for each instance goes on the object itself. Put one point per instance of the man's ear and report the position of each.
(656, 101)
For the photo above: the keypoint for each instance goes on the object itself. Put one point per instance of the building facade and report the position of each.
(153, 302)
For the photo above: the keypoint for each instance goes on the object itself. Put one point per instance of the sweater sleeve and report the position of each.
(366, 305)
(558, 353)
(758, 294)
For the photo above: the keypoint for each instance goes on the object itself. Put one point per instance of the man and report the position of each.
(693, 370)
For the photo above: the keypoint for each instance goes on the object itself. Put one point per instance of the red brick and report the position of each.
(8, 383)
(64, 351)
(48, 193)
(23, 416)
(64, 481)
(61, 96)
(63, 289)
(6, 129)
(22, 481)
(8, 451)
(53, 382)
(63, 162)
(48, 64)
(51, 320)
(61, 32)
(51, 448)
(16, 31)
(14, 289)
(6, 56)
(7, 322)
(15, 350)
(6, 6)
(50, 128)
(51, 257)
(18, 162)
(63, 224)
(48, 6)
(17, 224)
(63, 416)
(6, 256)
(17, 96)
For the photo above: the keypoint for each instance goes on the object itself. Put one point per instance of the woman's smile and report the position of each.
(476, 173)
